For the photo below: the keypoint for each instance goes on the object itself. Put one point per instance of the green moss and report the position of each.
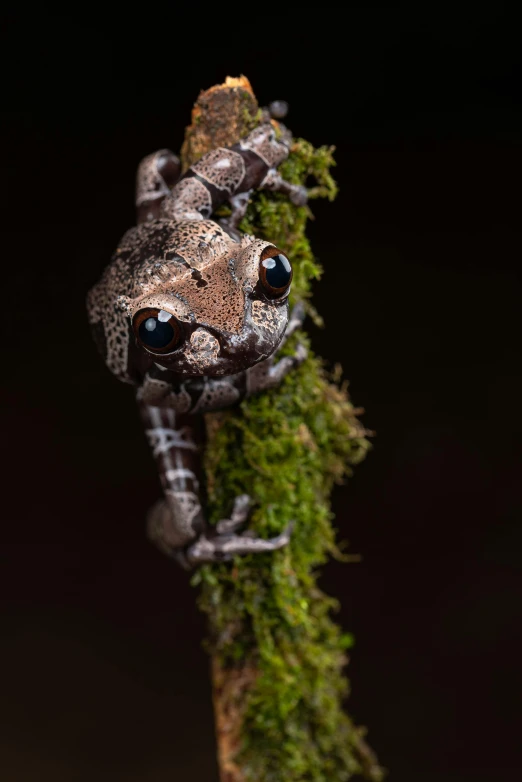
(286, 448)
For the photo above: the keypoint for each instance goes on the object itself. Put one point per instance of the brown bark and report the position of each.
(230, 687)
(220, 117)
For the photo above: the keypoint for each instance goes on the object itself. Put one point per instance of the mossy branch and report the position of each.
(277, 656)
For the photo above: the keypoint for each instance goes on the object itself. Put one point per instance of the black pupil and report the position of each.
(155, 333)
(278, 271)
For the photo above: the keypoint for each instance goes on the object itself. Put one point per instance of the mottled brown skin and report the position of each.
(209, 282)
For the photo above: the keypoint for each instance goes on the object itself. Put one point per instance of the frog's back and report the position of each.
(144, 249)
(162, 250)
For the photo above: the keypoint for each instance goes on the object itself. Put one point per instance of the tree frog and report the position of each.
(191, 312)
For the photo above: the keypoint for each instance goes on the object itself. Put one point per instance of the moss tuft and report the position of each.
(286, 448)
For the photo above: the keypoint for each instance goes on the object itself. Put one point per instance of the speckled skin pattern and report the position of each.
(206, 275)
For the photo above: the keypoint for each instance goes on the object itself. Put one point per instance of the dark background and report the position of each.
(103, 676)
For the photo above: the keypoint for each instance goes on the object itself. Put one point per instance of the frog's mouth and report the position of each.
(217, 358)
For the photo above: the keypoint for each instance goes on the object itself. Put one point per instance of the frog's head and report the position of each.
(202, 305)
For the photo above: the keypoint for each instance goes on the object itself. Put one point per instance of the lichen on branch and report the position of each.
(278, 656)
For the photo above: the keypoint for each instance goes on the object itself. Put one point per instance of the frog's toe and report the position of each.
(299, 196)
(238, 516)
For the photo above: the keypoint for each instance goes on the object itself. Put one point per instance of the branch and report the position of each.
(277, 656)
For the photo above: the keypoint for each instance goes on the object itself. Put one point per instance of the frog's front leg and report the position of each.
(270, 373)
(177, 524)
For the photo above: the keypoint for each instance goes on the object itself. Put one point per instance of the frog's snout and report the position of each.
(202, 342)
(203, 349)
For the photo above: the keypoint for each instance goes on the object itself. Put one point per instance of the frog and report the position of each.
(192, 312)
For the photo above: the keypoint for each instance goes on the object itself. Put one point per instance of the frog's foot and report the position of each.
(223, 542)
(298, 194)
(238, 516)
(270, 373)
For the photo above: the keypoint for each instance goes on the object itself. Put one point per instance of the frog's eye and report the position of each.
(275, 272)
(156, 330)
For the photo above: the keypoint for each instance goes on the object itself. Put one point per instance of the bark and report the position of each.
(220, 117)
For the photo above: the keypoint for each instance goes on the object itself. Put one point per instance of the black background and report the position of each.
(103, 676)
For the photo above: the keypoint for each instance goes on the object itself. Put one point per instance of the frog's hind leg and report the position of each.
(156, 176)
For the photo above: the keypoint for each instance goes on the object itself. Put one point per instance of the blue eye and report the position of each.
(156, 330)
(275, 272)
